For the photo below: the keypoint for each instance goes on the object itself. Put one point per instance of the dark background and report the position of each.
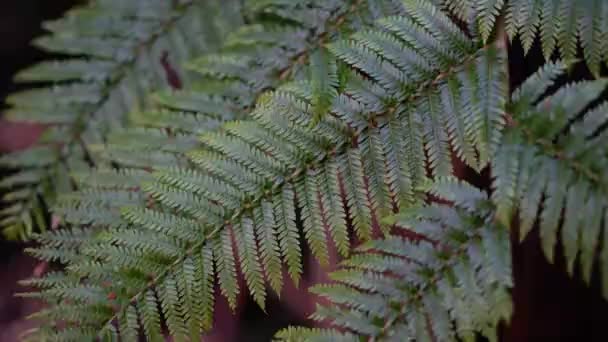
(549, 306)
(19, 23)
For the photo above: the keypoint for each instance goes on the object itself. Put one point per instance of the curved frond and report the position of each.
(449, 284)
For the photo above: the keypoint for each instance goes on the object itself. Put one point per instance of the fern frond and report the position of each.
(91, 93)
(450, 284)
(560, 24)
(178, 115)
(289, 160)
(551, 164)
(298, 334)
(141, 151)
(177, 199)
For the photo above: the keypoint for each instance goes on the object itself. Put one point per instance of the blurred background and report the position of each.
(542, 313)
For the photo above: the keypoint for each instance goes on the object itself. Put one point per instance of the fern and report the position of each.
(118, 51)
(560, 24)
(548, 164)
(337, 123)
(220, 96)
(169, 130)
(237, 163)
(550, 157)
(451, 283)
(554, 163)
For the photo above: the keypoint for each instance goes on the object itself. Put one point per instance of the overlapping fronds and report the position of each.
(169, 128)
(272, 49)
(448, 283)
(316, 122)
(551, 168)
(561, 25)
(396, 109)
(448, 279)
(121, 50)
(255, 57)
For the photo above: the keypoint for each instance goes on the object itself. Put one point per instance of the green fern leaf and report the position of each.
(92, 92)
(252, 179)
(269, 246)
(553, 171)
(450, 288)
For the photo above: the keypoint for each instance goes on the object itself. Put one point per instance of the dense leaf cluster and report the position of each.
(334, 123)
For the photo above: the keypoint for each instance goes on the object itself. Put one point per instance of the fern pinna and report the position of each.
(350, 116)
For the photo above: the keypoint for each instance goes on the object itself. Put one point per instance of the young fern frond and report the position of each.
(119, 50)
(286, 162)
(552, 163)
(448, 284)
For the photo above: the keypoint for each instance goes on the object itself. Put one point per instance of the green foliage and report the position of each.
(335, 123)
(555, 164)
(560, 24)
(105, 192)
(118, 51)
(222, 92)
(451, 283)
